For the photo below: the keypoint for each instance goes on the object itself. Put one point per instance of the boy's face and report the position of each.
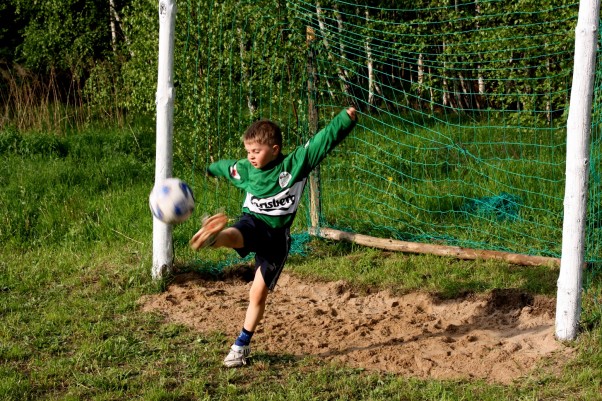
(261, 154)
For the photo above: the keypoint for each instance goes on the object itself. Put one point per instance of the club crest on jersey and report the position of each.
(234, 173)
(284, 179)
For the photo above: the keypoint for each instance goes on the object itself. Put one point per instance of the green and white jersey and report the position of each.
(274, 191)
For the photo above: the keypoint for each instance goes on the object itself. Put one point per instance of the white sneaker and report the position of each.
(237, 356)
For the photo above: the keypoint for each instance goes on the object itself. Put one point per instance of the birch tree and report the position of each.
(324, 28)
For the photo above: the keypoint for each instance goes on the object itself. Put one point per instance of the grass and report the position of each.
(76, 259)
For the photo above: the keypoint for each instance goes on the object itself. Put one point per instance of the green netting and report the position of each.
(462, 133)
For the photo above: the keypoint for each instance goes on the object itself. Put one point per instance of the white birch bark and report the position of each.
(245, 73)
(369, 63)
(325, 41)
(465, 91)
(116, 27)
(420, 69)
(341, 29)
(432, 93)
(420, 74)
(480, 79)
(113, 27)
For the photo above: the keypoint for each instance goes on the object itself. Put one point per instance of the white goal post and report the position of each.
(568, 299)
(162, 233)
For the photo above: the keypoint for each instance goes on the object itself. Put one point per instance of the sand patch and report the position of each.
(498, 336)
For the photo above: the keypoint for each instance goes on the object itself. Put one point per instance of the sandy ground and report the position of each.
(497, 337)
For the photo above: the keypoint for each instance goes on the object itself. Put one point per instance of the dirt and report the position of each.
(497, 337)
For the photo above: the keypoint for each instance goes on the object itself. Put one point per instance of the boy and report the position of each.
(274, 183)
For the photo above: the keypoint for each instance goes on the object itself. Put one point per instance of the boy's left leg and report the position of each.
(241, 348)
(258, 295)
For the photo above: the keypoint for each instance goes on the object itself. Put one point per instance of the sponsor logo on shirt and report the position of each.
(283, 203)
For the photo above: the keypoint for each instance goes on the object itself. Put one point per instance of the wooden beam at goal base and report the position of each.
(439, 250)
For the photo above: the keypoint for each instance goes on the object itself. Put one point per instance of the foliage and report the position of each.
(51, 51)
(249, 57)
(62, 35)
(10, 36)
(139, 72)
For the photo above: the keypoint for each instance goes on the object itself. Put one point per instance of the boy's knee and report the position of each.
(258, 299)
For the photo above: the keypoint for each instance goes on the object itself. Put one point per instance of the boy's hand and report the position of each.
(351, 113)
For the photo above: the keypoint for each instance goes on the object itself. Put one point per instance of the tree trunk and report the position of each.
(420, 73)
(116, 27)
(246, 78)
(370, 64)
(448, 92)
(480, 79)
(345, 87)
(466, 95)
(315, 210)
(113, 27)
(341, 30)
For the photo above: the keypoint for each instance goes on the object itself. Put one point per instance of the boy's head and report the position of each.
(263, 141)
(264, 132)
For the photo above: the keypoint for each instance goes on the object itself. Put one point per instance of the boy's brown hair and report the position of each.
(264, 132)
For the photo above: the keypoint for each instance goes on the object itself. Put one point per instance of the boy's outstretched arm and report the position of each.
(329, 137)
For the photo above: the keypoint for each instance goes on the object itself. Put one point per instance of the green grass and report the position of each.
(75, 260)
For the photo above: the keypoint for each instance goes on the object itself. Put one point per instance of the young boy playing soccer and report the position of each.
(274, 183)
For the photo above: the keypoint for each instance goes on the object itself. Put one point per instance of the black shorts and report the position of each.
(271, 246)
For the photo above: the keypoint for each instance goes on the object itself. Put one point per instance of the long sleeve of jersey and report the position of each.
(235, 171)
(274, 192)
(316, 149)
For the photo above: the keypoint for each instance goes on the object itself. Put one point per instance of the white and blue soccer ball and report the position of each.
(171, 201)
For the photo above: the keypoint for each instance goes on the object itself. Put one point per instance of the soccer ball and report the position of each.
(171, 201)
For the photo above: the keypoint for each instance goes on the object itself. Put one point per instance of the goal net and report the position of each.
(462, 134)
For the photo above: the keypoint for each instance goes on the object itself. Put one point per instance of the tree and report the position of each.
(63, 35)
(10, 29)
